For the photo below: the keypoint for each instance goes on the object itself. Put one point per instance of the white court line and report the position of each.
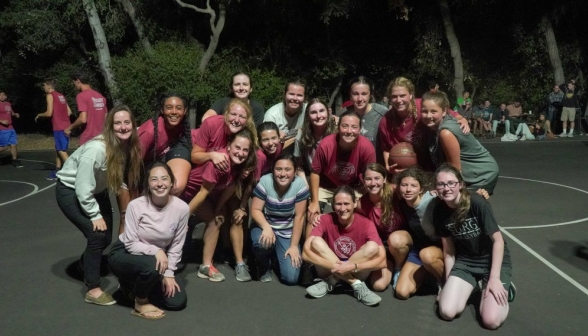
(546, 225)
(36, 190)
(543, 260)
(53, 164)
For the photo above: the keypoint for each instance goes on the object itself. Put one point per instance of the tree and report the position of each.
(454, 47)
(553, 50)
(102, 47)
(216, 27)
(130, 9)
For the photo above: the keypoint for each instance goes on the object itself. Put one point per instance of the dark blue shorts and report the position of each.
(61, 141)
(7, 138)
(413, 257)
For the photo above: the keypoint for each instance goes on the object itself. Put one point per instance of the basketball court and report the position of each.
(539, 202)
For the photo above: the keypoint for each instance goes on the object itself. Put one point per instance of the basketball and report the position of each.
(403, 155)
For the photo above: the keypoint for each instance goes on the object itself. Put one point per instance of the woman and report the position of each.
(541, 129)
(270, 148)
(209, 188)
(473, 250)
(145, 257)
(423, 252)
(318, 123)
(88, 174)
(278, 207)
(241, 87)
(448, 144)
(381, 207)
(360, 93)
(400, 124)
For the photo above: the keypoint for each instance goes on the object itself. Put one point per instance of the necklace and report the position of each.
(405, 119)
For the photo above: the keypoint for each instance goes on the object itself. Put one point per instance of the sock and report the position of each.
(356, 283)
(241, 263)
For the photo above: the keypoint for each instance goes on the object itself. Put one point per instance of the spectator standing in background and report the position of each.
(569, 104)
(91, 106)
(555, 97)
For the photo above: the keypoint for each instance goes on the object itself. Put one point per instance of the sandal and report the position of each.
(134, 312)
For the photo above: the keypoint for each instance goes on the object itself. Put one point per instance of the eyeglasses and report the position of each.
(450, 184)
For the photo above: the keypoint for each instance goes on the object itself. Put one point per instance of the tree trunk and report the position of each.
(553, 50)
(454, 47)
(130, 9)
(335, 93)
(102, 47)
(216, 27)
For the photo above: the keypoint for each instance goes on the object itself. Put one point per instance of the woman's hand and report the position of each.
(295, 256)
(316, 221)
(238, 216)
(314, 210)
(464, 125)
(160, 261)
(495, 288)
(483, 192)
(99, 224)
(342, 268)
(220, 160)
(169, 286)
(267, 238)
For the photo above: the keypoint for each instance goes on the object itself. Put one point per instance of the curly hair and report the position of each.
(186, 136)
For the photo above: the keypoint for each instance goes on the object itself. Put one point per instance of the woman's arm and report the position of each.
(464, 125)
(293, 251)
(268, 237)
(494, 283)
(314, 207)
(174, 251)
(451, 148)
(448, 254)
(195, 203)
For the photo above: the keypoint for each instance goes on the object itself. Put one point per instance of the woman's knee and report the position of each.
(430, 255)
(492, 321)
(398, 239)
(177, 302)
(446, 311)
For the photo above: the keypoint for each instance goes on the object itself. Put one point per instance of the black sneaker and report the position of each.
(512, 292)
(17, 163)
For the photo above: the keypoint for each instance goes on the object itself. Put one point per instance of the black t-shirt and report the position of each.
(472, 240)
(258, 111)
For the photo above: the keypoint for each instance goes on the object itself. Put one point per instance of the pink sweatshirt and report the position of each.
(149, 229)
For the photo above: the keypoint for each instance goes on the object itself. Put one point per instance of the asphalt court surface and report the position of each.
(539, 202)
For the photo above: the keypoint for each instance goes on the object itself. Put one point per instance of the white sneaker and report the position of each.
(563, 135)
(571, 135)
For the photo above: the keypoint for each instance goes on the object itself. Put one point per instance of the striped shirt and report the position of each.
(280, 211)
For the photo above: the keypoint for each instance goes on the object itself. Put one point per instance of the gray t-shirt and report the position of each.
(370, 122)
(478, 167)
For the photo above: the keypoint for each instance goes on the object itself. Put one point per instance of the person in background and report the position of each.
(91, 106)
(463, 100)
(241, 87)
(569, 103)
(501, 118)
(555, 97)
(145, 257)
(7, 133)
(515, 113)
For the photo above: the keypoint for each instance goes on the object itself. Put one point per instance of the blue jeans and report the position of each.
(288, 274)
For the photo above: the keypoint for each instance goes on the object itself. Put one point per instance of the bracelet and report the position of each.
(356, 269)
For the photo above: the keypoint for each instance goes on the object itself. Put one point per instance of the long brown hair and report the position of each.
(387, 202)
(463, 208)
(307, 139)
(122, 159)
(405, 83)
(250, 163)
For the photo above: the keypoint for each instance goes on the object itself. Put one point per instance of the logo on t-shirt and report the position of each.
(98, 103)
(343, 170)
(7, 108)
(468, 230)
(61, 99)
(344, 247)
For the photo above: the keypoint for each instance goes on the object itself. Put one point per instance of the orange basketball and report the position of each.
(403, 155)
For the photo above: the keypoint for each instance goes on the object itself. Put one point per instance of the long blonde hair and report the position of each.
(122, 159)
(249, 124)
(405, 83)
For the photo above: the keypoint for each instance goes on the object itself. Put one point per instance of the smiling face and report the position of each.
(293, 98)
(431, 114)
(122, 125)
(318, 114)
(373, 182)
(238, 150)
(343, 206)
(241, 86)
(159, 182)
(448, 188)
(269, 140)
(349, 130)
(360, 96)
(401, 99)
(173, 111)
(284, 173)
(236, 118)
(410, 190)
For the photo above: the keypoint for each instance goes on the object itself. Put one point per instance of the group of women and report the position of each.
(215, 171)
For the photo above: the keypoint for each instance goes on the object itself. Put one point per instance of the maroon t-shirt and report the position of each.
(6, 114)
(266, 161)
(207, 172)
(212, 135)
(165, 138)
(94, 104)
(60, 118)
(396, 222)
(337, 167)
(346, 241)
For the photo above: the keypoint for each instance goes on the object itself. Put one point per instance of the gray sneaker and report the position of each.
(210, 273)
(319, 289)
(267, 277)
(242, 273)
(364, 295)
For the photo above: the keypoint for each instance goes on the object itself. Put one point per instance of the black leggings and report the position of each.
(97, 241)
(137, 274)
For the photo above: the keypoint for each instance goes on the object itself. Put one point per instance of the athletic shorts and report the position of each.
(8, 138)
(413, 257)
(471, 274)
(61, 141)
(488, 186)
(568, 114)
(179, 151)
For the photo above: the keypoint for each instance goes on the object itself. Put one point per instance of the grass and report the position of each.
(41, 142)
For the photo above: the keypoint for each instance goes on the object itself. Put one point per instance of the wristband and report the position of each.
(356, 269)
